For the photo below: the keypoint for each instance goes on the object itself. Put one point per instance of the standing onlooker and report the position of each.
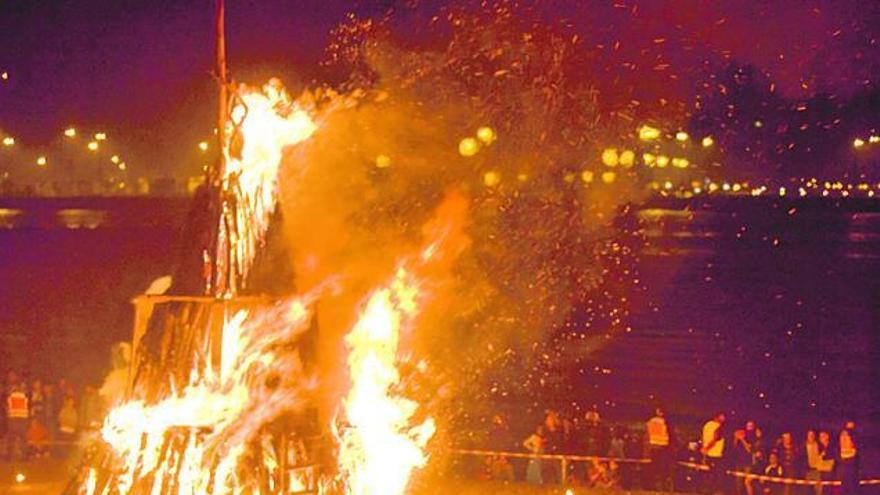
(813, 454)
(787, 456)
(592, 433)
(10, 378)
(534, 444)
(617, 445)
(17, 413)
(826, 459)
(52, 405)
(755, 437)
(660, 450)
(713, 452)
(553, 440)
(570, 440)
(67, 423)
(755, 440)
(500, 439)
(37, 400)
(742, 462)
(774, 468)
(848, 460)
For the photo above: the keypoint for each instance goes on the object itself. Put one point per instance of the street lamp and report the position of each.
(648, 133)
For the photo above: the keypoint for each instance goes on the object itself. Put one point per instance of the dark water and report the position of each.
(69, 269)
(767, 309)
(764, 308)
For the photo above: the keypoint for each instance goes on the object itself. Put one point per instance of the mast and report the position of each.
(215, 283)
(221, 76)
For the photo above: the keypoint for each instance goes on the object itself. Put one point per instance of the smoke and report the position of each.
(530, 253)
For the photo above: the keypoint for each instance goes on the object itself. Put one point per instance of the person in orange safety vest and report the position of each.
(17, 416)
(659, 442)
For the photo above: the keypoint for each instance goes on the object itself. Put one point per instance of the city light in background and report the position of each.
(652, 153)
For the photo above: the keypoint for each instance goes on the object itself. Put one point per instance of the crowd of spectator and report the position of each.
(42, 418)
(655, 456)
(820, 455)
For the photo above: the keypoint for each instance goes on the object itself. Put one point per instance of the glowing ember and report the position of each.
(381, 447)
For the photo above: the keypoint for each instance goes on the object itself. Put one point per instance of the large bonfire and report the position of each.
(507, 115)
(212, 433)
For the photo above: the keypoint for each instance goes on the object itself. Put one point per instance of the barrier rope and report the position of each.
(775, 479)
(554, 457)
(691, 465)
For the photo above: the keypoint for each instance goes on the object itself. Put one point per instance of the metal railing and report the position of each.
(566, 459)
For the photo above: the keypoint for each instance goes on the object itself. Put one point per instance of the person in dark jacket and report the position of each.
(775, 469)
(848, 460)
(741, 460)
(788, 455)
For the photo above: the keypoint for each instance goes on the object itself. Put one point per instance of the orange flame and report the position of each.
(381, 447)
(262, 124)
(217, 413)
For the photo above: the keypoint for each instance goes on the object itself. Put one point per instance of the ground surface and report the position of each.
(463, 487)
(48, 477)
(41, 477)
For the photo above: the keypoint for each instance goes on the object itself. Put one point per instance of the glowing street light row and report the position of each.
(859, 143)
(70, 133)
(649, 133)
(92, 145)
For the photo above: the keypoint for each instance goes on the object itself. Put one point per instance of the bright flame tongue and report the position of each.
(210, 422)
(262, 124)
(380, 449)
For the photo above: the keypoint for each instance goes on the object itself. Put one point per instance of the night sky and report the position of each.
(142, 70)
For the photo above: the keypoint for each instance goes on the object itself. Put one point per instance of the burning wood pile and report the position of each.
(220, 398)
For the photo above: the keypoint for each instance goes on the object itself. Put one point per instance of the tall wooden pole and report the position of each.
(215, 282)
(221, 75)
